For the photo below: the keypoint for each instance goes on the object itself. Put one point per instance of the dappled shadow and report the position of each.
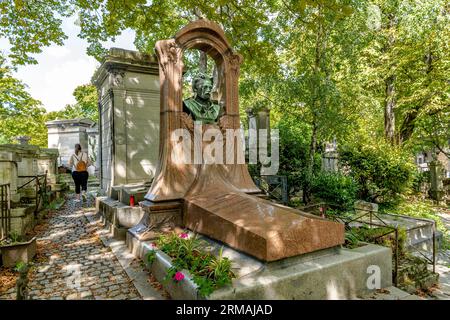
(75, 263)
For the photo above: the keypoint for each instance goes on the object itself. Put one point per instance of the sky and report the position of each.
(61, 69)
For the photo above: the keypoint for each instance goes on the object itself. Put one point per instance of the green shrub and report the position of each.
(381, 171)
(419, 178)
(209, 272)
(335, 188)
(294, 150)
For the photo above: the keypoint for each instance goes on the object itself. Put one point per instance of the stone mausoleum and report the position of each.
(64, 134)
(128, 84)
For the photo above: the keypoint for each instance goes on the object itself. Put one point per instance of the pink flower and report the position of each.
(178, 276)
(184, 235)
(153, 245)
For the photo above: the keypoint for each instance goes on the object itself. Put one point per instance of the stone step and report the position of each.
(391, 293)
(122, 193)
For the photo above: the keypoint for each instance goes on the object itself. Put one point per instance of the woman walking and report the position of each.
(79, 162)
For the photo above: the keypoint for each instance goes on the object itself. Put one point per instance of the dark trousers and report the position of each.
(80, 178)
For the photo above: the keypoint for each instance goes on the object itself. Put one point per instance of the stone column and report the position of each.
(258, 120)
(436, 177)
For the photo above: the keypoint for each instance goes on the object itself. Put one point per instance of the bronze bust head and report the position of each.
(200, 106)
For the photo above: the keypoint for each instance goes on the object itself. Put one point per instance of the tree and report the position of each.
(20, 114)
(86, 105)
(31, 25)
(406, 65)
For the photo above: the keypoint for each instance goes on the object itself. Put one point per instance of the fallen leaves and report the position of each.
(8, 279)
(158, 286)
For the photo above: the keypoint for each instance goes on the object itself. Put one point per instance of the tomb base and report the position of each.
(328, 274)
(158, 217)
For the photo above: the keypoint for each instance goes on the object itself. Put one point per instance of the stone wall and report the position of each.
(128, 84)
(19, 162)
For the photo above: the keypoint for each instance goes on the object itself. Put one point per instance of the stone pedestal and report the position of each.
(128, 86)
(22, 219)
(157, 218)
(253, 225)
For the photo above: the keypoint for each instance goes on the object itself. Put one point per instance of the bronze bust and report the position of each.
(200, 106)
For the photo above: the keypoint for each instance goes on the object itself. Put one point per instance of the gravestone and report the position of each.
(64, 134)
(8, 171)
(47, 162)
(258, 119)
(27, 167)
(128, 86)
(436, 178)
(218, 200)
(330, 157)
(23, 140)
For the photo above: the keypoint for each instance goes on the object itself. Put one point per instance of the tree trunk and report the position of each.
(310, 167)
(389, 103)
(408, 124)
(389, 116)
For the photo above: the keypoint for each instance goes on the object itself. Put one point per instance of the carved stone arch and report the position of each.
(173, 180)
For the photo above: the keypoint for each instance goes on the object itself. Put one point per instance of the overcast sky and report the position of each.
(61, 69)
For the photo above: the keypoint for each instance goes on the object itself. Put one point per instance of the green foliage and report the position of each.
(379, 235)
(86, 105)
(382, 172)
(294, 152)
(335, 188)
(20, 266)
(56, 204)
(13, 238)
(20, 114)
(31, 25)
(351, 240)
(209, 272)
(321, 66)
(419, 178)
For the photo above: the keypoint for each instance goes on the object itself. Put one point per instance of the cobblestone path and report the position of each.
(443, 264)
(73, 263)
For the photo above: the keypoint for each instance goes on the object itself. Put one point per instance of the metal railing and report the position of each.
(274, 186)
(5, 210)
(367, 217)
(40, 187)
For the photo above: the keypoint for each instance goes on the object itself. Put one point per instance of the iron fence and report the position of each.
(5, 210)
(274, 186)
(373, 219)
(40, 188)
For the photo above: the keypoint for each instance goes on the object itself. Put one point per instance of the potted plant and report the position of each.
(15, 249)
